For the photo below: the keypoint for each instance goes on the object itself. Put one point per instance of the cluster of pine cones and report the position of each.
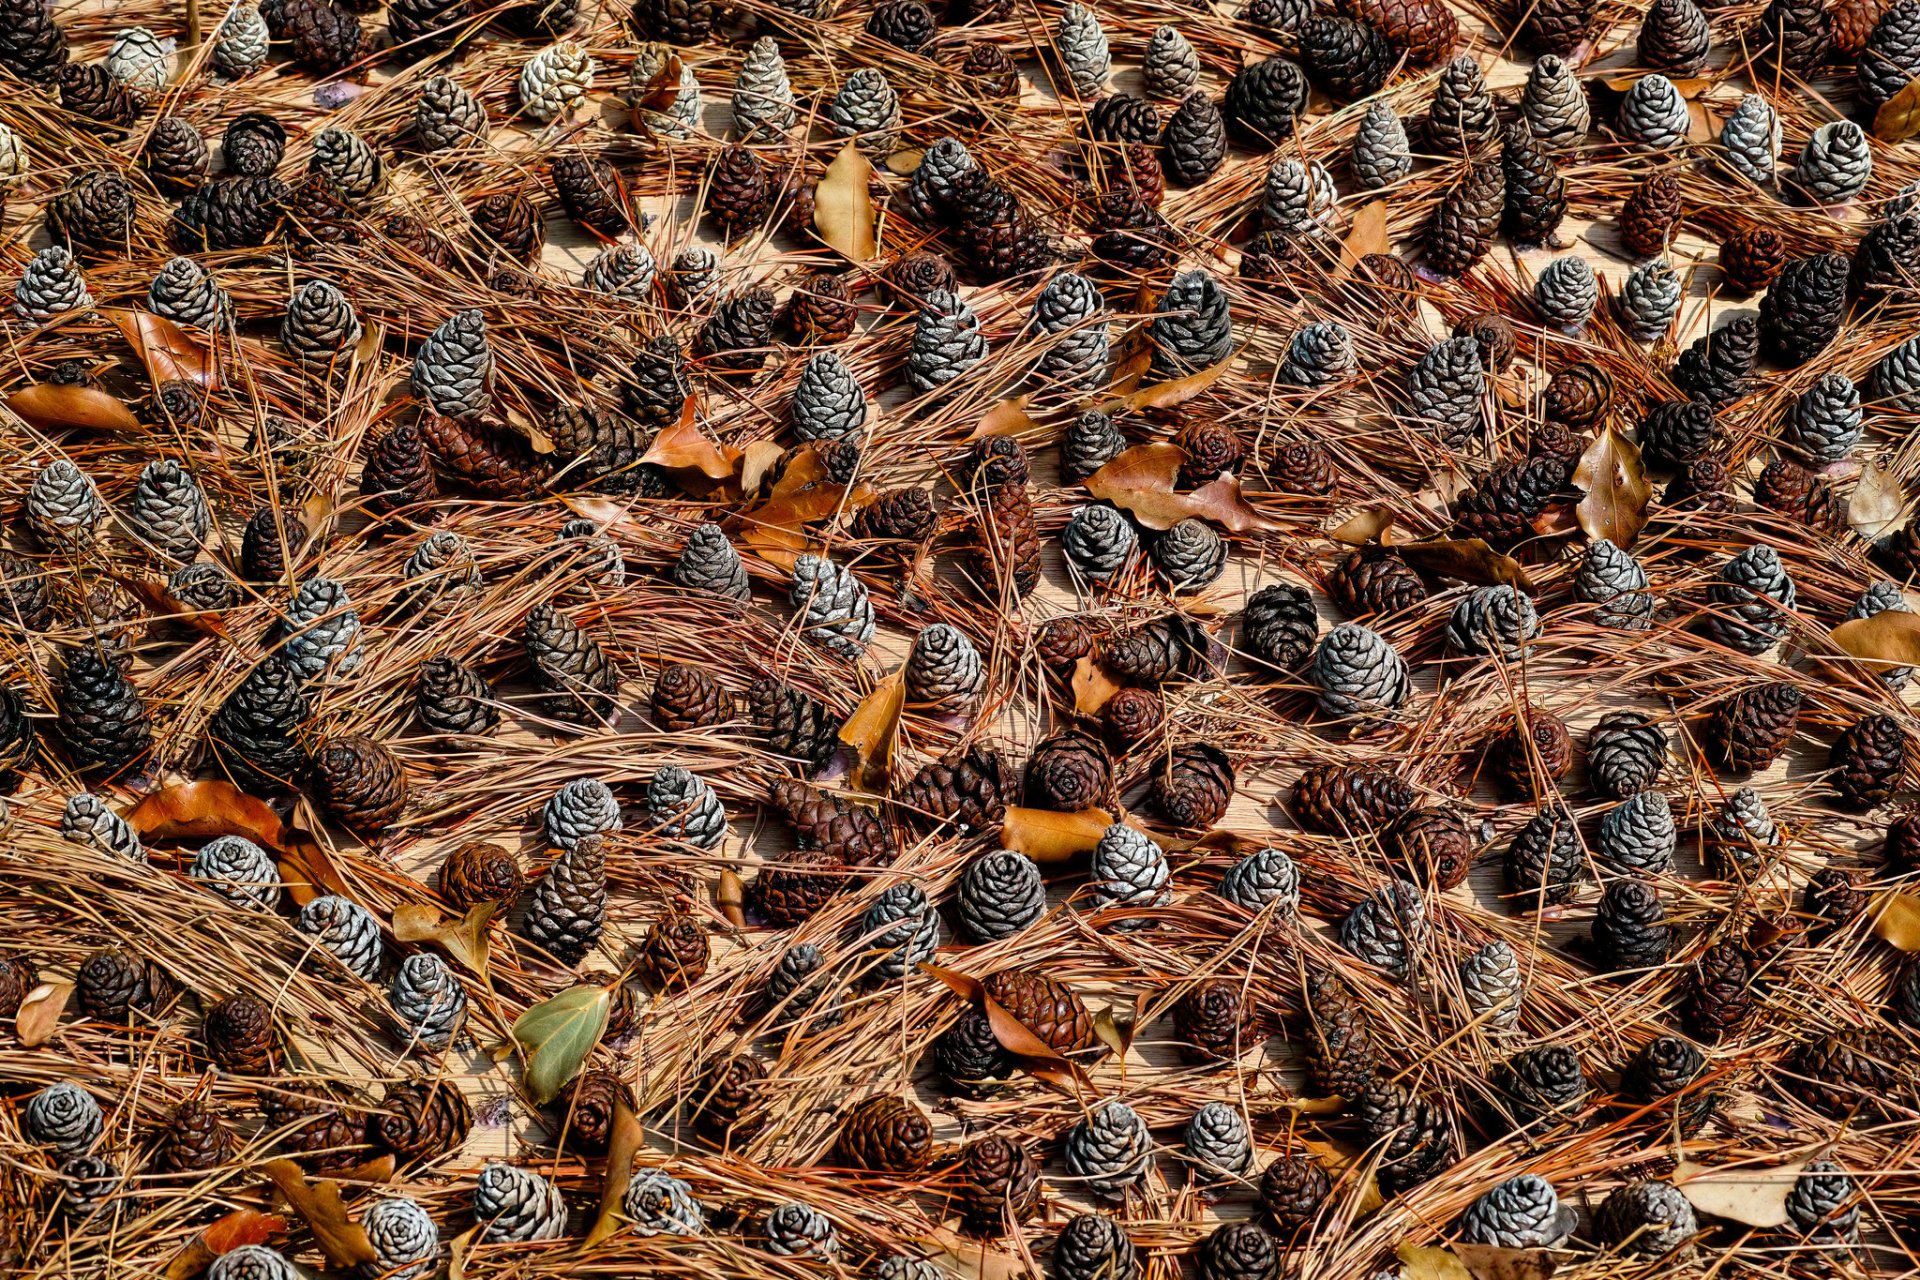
(1368, 539)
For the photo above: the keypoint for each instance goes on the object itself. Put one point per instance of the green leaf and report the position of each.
(557, 1036)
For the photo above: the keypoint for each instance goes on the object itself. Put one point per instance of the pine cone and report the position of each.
(239, 1034)
(1092, 1247)
(194, 1140)
(1347, 60)
(1418, 1133)
(848, 833)
(1846, 1070)
(1348, 799)
(1674, 38)
(87, 89)
(569, 665)
(325, 39)
(568, 906)
(102, 720)
(1520, 1213)
(1540, 1082)
(970, 790)
(1868, 762)
(999, 894)
(887, 1134)
(451, 697)
(1069, 770)
(1194, 787)
(1630, 927)
(591, 193)
(722, 1103)
(687, 698)
(361, 783)
(1536, 191)
(821, 309)
(62, 1116)
(1721, 995)
(797, 726)
(1048, 1008)
(114, 983)
(739, 190)
(1195, 142)
(673, 955)
(32, 45)
(969, 1056)
(421, 1120)
(477, 872)
(999, 1185)
(902, 515)
(1212, 1022)
(1426, 29)
(1801, 313)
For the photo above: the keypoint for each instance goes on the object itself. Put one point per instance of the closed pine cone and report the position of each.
(886, 1134)
(1045, 1007)
(673, 955)
(589, 1108)
(361, 783)
(999, 1185)
(722, 1103)
(239, 1034)
(1212, 1020)
(478, 872)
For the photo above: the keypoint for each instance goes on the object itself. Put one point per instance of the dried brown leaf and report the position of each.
(242, 1226)
(1362, 527)
(48, 404)
(971, 1259)
(842, 206)
(1752, 1197)
(318, 1201)
(730, 895)
(1468, 559)
(1891, 638)
(756, 461)
(1614, 481)
(1047, 836)
(1093, 688)
(39, 1015)
(1037, 1058)
(215, 807)
(1699, 122)
(1343, 1161)
(685, 447)
(1897, 921)
(874, 728)
(1367, 234)
(1491, 1262)
(628, 1136)
(659, 92)
(170, 351)
(1424, 1262)
(1167, 395)
(1876, 504)
(1899, 116)
(904, 164)
(1140, 481)
(1007, 418)
(464, 938)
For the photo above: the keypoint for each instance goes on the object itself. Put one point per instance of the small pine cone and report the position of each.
(554, 81)
(740, 191)
(833, 606)
(1721, 994)
(194, 1140)
(1069, 771)
(737, 336)
(18, 977)
(1099, 541)
(1888, 54)
(673, 954)
(183, 291)
(989, 68)
(886, 1134)
(239, 1034)
(1651, 215)
(50, 286)
(1626, 753)
(1750, 598)
(239, 870)
(1359, 673)
(1278, 626)
(101, 719)
(1718, 367)
(1371, 581)
(404, 1238)
(397, 471)
(231, 213)
(1348, 800)
(583, 808)
(1082, 46)
(1616, 584)
(509, 222)
(1293, 1189)
(1868, 762)
(352, 167)
(684, 807)
(115, 983)
(1553, 104)
(1833, 901)
(1170, 648)
(899, 931)
(1341, 1050)
(175, 156)
(1046, 1007)
(1824, 423)
(1382, 154)
(1193, 329)
(821, 309)
(1536, 191)
(687, 698)
(32, 45)
(849, 833)
(1801, 313)
(1490, 979)
(1195, 142)
(452, 698)
(454, 367)
(569, 665)
(1239, 1251)
(1418, 1133)
(429, 1001)
(1467, 218)
(426, 26)
(1191, 555)
(1170, 68)
(591, 193)
(325, 38)
(968, 1055)
(1630, 927)
(1532, 755)
(1444, 389)
(1109, 1150)
(1264, 101)
(168, 511)
(1544, 860)
(1461, 117)
(1653, 114)
(1346, 60)
(62, 1116)
(970, 790)
(1664, 1066)
(1750, 140)
(1786, 487)
(1847, 1070)
(1093, 1247)
(514, 1205)
(568, 906)
(1129, 869)
(999, 1185)
(87, 89)
(1674, 37)
(346, 930)
(1566, 292)
(722, 1104)
(1387, 928)
(1212, 1021)
(867, 110)
(361, 783)
(1218, 1144)
(1836, 164)
(1521, 1213)
(828, 403)
(1823, 1205)
(447, 116)
(797, 726)
(904, 24)
(320, 326)
(1194, 787)
(421, 1120)
(477, 872)
(1539, 1083)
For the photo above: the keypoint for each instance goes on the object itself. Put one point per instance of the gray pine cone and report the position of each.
(447, 116)
(594, 553)
(1092, 441)
(683, 806)
(835, 612)
(1170, 68)
(694, 274)
(87, 821)
(1382, 154)
(1750, 599)
(658, 1204)
(1094, 1247)
(1879, 597)
(1218, 1143)
(1895, 381)
(623, 271)
(584, 807)
(709, 563)
(1616, 584)
(441, 573)
(239, 870)
(205, 587)
(63, 1116)
(900, 1267)
(567, 909)
(999, 894)
(1320, 354)
(1567, 292)
(1554, 104)
(1082, 44)
(762, 96)
(802, 988)
(930, 191)
(89, 1185)
(168, 512)
(1654, 114)
(320, 326)
(1739, 829)
(553, 80)
(322, 630)
(515, 1205)
(1836, 164)
(1498, 619)
(1110, 1150)
(1648, 1218)
(1824, 424)
(1891, 58)
(1098, 541)
(1750, 140)
(1626, 753)
(403, 1237)
(1493, 985)
(348, 162)
(1823, 1203)
(1462, 117)
(1129, 869)
(138, 60)
(1520, 1213)
(1298, 198)
(946, 341)
(240, 44)
(1191, 554)
(182, 291)
(346, 930)
(64, 509)
(1358, 672)
(795, 1230)
(827, 401)
(1650, 300)
(1193, 329)
(1387, 928)
(252, 1262)
(1444, 389)
(454, 367)
(14, 161)
(903, 928)
(1638, 835)
(51, 286)
(1069, 306)
(867, 110)
(428, 999)
(943, 669)
(1263, 880)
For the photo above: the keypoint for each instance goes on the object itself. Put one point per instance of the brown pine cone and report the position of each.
(1045, 1007)
(1554, 26)
(175, 156)
(1194, 786)
(1721, 994)
(1292, 1189)
(591, 193)
(988, 69)
(1527, 765)
(1852, 22)
(1373, 580)
(912, 276)
(886, 1134)
(1130, 717)
(1703, 486)
(239, 1034)
(315, 1124)
(739, 191)
(588, 1109)
(1212, 1021)
(421, 1120)
(1650, 216)
(904, 515)
(1426, 29)
(998, 1185)
(478, 872)
(509, 222)
(1467, 218)
(397, 471)
(1834, 900)
(361, 784)
(86, 89)
(722, 1103)
(673, 955)
(821, 309)
(688, 698)
(1068, 771)
(1868, 762)
(1348, 800)
(116, 982)
(1213, 449)
(1751, 257)
(270, 542)
(1578, 396)
(852, 834)
(18, 977)
(325, 38)
(1786, 487)
(1007, 554)
(1502, 507)
(487, 456)
(1902, 847)
(792, 890)
(1059, 643)
(92, 215)
(317, 214)
(1341, 1050)
(194, 1140)
(1302, 469)
(797, 725)
(970, 790)
(1171, 647)
(1436, 844)
(1847, 1071)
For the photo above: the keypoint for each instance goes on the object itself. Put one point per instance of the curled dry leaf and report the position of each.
(457, 1250)
(1048, 836)
(684, 447)
(1891, 638)
(1423, 1262)
(1166, 395)
(1897, 921)
(1093, 688)
(1614, 482)
(464, 938)
(170, 351)
(874, 728)
(1117, 1038)
(1876, 504)
(1140, 482)
(904, 164)
(215, 807)
(1363, 527)
(1899, 116)
(756, 461)
(659, 92)
(843, 207)
(1700, 126)
(1009, 417)
(557, 1035)
(1368, 234)
(1752, 1197)
(242, 1226)
(1491, 1262)
(154, 595)
(49, 404)
(628, 1136)
(971, 1259)
(39, 1015)
(318, 1201)
(1467, 559)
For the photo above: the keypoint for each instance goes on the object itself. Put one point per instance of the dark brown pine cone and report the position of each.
(591, 193)
(1194, 786)
(32, 45)
(230, 213)
(396, 471)
(478, 872)
(1797, 34)
(1292, 1189)
(1388, 281)
(1212, 448)
(997, 1185)
(421, 1120)
(988, 69)
(1467, 218)
(681, 22)
(1578, 396)
(797, 725)
(886, 1134)
(1373, 580)
(1169, 648)
(1007, 550)
(270, 542)
(1348, 800)
(508, 222)
(194, 1140)
(1833, 900)
(1068, 771)
(325, 38)
(315, 1124)
(1721, 993)
(1346, 60)
(317, 214)
(673, 955)
(86, 89)
(1650, 215)
(912, 276)
(116, 982)
(739, 191)
(1059, 643)
(1902, 847)
(1528, 764)
(1493, 334)
(1868, 762)
(722, 1103)
(1426, 29)
(687, 698)
(1751, 257)
(361, 784)
(1703, 485)
(1786, 487)
(1302, 469)
(1554, 26)
(1342, 1052)
(175, 156)
(905, 515)
(588, 1107)
(18, 977)
(791, 890)
(821, 309)
(1846, 1071)
(239, 1034)
(1130, 717)
(1045, 1007)
(93, 215)
(850, 833)
(1212, 1021)
(1502, 507)
(970, 790)
(1436, 844)
(738, 335)
(1536, 200)
(487, 456)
